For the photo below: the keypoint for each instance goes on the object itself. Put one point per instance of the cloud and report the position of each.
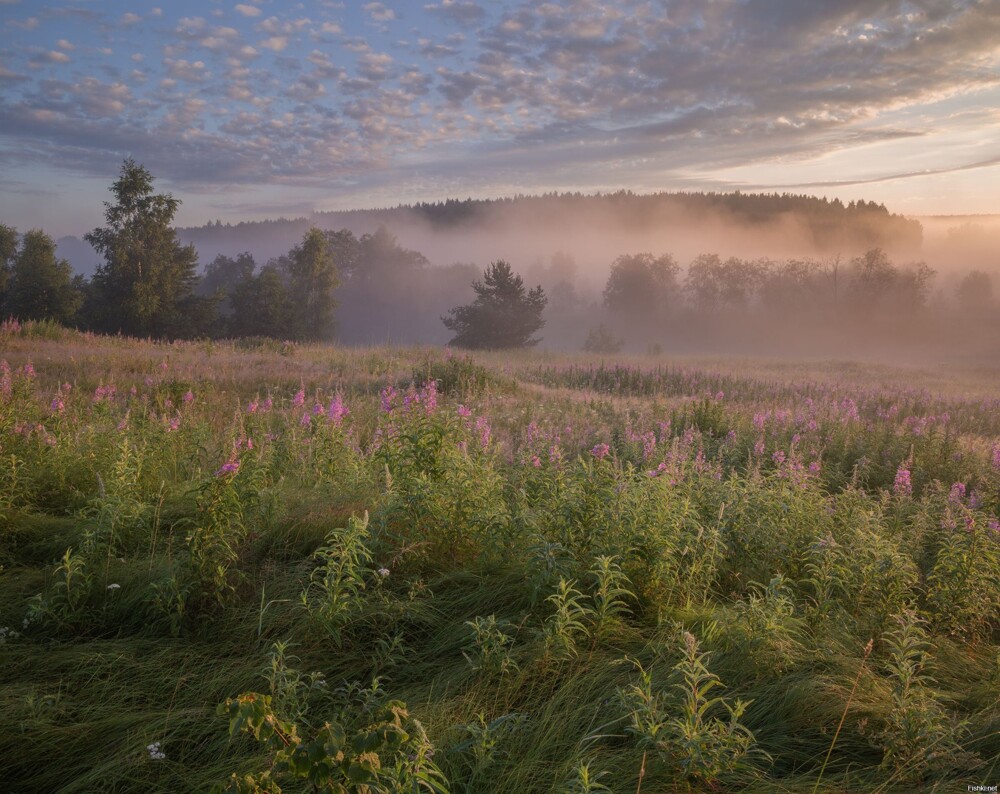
(463, 12)
(379, 12)
(128, 19)
(275, 43)
(248, 11)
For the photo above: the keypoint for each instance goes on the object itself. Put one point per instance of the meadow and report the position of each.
(263, 566)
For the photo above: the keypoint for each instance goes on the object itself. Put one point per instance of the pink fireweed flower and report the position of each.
(188, 396)
(267, 405)
(174, 423)
(306, 420)
(902, 486)
(299, 399)
(995, 459)
(337, 410)
(57, 406)
(957, 493)
(229, 467)
(463, 411)
(484, 430)
(318, 409)
(28, 370)
(387, 397)
(536, 461)
(758, 447)
(148, 381)
(600, 451)
(252, 407)
(429, 396)
(123, 424)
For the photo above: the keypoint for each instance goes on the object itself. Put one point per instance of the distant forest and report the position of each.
(364, 287)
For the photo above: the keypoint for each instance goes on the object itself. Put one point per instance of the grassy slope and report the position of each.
(83, 701)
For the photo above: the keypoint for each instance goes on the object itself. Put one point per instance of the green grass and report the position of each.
(729, 542)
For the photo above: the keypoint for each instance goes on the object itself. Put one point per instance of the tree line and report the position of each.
(370, 289)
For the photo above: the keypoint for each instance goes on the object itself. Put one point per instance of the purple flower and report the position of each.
(229, 467)
(485, 431)
(337, 410)
(957, 493)
(429, 396)
(463, 411)
(252, 407)
(388, 398)
(600, 451)
(299, 399)
(57, 405)
(188, 396)
(902, 486)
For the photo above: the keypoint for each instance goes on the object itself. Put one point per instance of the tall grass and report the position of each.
(231, 565)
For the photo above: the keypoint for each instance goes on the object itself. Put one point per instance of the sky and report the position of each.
(261, 109)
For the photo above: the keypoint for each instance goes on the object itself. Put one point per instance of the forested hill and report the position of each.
(684, 224)
(812, 225)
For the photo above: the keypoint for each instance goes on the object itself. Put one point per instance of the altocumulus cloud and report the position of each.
(460, 95)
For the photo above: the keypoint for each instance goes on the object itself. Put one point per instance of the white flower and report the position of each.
(114, 586)
(155, 754)
(383, 572)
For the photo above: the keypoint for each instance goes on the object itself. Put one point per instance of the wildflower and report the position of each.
(383, 573)
(252, 407)
(429, 396)
(188, 396)
(155, 753)
(536, 461)
(778, 457)
(463, 411)
(267, 405)
(299, 399)
(485, 431)
(388, 397)
(149, 381)
(758, 447)
(123, 424)
(114, 586)
(57, 406)
(29, 371)
(306, 420)
(229, 467)
(337, 410)
(957, 493)
(174, 423)
(318, 409)
(600, 451)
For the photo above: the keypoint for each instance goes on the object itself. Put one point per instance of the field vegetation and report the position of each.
(264, 566)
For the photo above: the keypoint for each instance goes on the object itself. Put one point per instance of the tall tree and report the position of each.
(8, 250)
(41, 286)
(640, 291)
(148, 277)
(312, 279)
(261, 306)
(503, 314)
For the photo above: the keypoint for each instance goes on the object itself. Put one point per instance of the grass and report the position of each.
(481, 497)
